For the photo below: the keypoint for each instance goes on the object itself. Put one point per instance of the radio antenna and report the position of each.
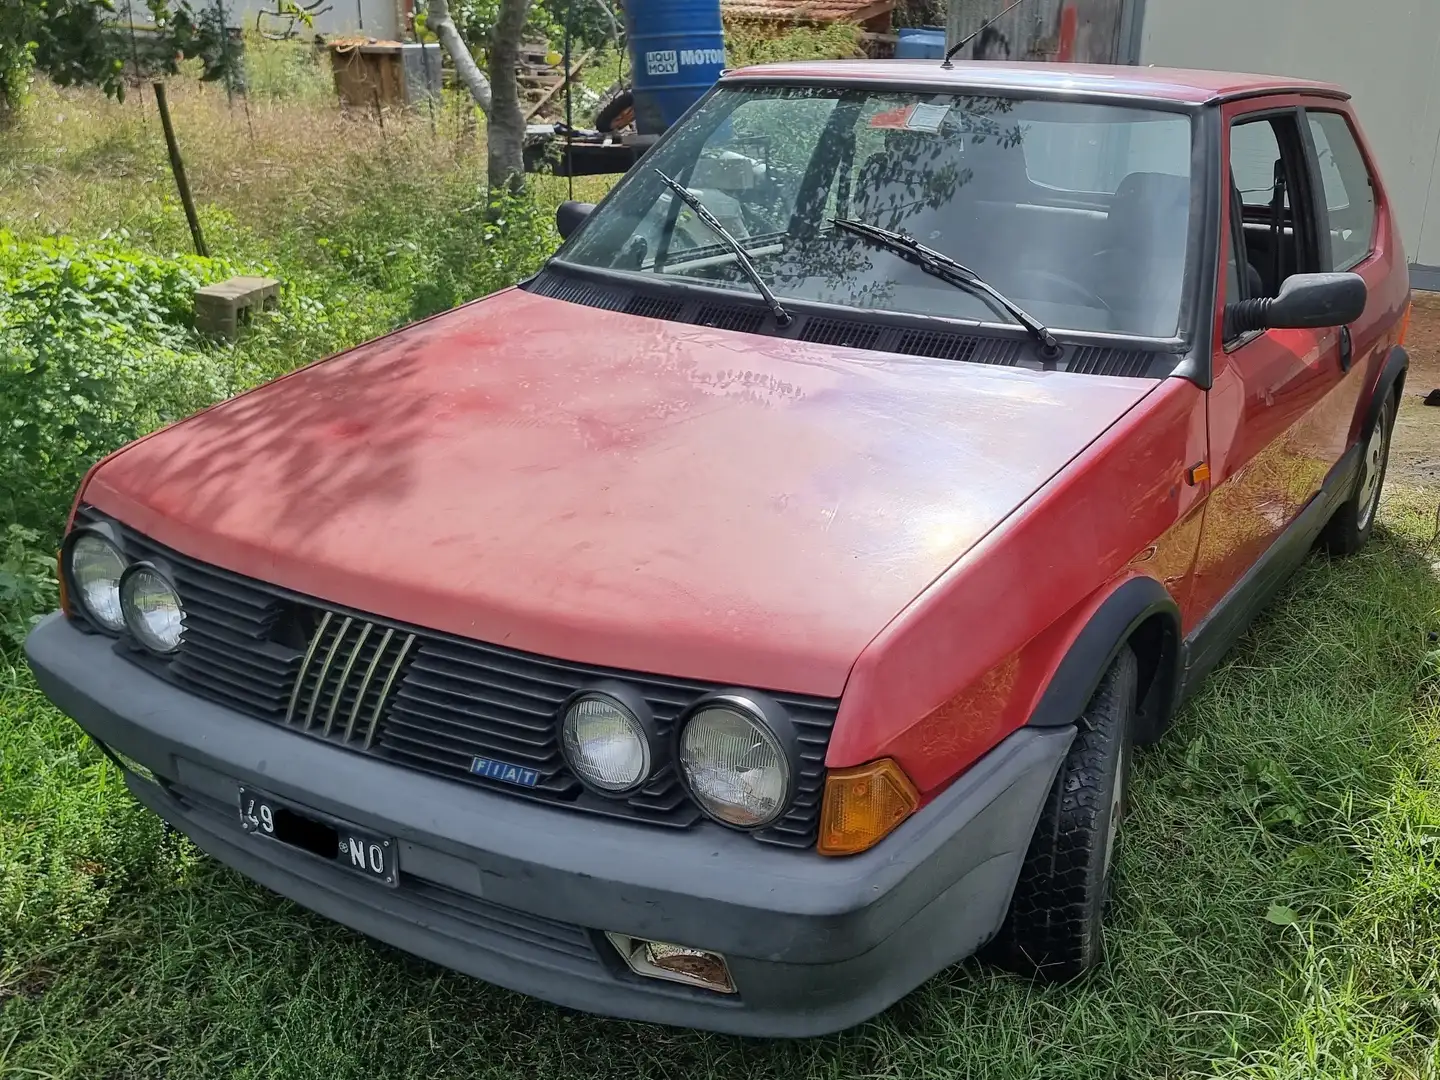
(947, 65)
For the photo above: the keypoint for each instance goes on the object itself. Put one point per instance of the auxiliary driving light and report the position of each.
(674, 963)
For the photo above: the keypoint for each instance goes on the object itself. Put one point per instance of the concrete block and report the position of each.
(223, 308)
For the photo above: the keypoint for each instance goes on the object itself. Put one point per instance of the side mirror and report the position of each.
(1306, 302)
(569, 215)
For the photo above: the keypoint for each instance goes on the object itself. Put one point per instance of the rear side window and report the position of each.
(1349, 192)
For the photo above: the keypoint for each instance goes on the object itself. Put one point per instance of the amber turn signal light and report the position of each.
(862, 805)
(1405, 322)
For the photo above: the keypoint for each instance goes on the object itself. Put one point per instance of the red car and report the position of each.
(752, 614)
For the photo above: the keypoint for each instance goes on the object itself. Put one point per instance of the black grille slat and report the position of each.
(1099, 360)
(580, 291)
(547, 761)
(655, 307)
(437, 702)
(854, 335)
(726, 317)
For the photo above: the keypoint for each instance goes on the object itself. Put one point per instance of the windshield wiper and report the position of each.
(782, 317)
(952, 272)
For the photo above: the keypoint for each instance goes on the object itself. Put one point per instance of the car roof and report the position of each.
(1180, 85)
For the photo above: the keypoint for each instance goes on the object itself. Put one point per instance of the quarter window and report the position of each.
(1349, 190)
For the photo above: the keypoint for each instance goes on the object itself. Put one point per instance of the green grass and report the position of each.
(1278, 913)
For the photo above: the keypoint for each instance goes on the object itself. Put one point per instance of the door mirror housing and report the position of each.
(1306, 302)
(569, 215)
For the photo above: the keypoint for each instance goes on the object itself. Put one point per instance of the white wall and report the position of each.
(332, 18)
(1385, 52)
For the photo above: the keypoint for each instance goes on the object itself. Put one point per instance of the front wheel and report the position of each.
(1053, 929)
(1351, 527)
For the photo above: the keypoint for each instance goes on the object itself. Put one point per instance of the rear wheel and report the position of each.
(1351, 527)
(1053, 929)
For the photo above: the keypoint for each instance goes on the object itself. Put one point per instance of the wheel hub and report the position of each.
(1373, 462)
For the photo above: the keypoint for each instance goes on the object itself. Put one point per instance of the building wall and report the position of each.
(1386, 52)
(1081, 31)
(330, 18)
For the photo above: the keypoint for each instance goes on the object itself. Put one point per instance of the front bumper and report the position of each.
(518, 894)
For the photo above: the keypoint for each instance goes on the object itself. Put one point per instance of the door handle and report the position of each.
(1347, 349)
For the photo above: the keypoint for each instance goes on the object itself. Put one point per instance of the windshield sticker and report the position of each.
(927, 117)
(892, 119)
(918, 117)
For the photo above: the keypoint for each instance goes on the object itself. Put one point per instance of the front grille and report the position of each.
(429, 701)
(349, 669)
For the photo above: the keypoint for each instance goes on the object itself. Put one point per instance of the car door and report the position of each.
(1348, 197)
(1278, 396)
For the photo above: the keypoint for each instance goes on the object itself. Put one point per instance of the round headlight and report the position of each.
(606, 744)
(734, 764)
(152, 609)
(96, 566)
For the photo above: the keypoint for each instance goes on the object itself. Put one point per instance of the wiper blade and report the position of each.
(686, 196)
(949, 270)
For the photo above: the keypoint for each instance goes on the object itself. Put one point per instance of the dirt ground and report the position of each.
(1415, 453)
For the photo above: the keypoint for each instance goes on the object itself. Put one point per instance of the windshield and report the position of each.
(1078, 212)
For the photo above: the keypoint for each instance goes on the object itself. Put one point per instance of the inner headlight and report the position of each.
(734, 764)
(606, 744)
(95, 568)
(152, 608)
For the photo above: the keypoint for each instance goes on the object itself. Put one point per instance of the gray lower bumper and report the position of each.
(517, 893)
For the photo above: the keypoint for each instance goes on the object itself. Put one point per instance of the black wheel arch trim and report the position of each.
(1116, 622)
(1391, 376)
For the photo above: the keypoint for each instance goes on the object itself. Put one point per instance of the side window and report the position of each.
(1349, 191)
(1274, 232)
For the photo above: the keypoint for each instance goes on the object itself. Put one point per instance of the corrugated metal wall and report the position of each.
(1083, 31)
(1386, 52)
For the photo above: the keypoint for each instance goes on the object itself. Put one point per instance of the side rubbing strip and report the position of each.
(305, 666)
(385, 689)
(325, 671)
(365, 683)
(345, 675)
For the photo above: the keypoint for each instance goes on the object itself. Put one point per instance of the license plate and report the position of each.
(347, 846)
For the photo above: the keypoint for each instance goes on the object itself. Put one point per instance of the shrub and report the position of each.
(27, 584)
(95, 350)
(748, 42)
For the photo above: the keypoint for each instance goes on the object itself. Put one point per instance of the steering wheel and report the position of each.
(1088, 297)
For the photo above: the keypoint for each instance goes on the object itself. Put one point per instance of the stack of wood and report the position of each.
(541, 75)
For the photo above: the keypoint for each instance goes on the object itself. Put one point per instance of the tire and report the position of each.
(1354, 523)
(1053, 929)
(617, 113)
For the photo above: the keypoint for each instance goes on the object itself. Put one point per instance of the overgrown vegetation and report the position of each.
(1279, 909)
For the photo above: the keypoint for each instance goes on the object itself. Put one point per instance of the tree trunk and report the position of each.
(466, 70)
(505, 136)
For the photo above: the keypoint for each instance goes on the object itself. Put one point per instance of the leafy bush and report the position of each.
(749, 42)
(27, 584)
(480, 249)
(95, 344)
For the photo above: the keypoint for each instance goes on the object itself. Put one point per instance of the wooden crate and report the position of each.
(368, 72)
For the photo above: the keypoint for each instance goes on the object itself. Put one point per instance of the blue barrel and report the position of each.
(678, 51)
(920, 43)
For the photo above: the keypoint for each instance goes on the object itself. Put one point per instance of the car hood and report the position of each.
(612, 489)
